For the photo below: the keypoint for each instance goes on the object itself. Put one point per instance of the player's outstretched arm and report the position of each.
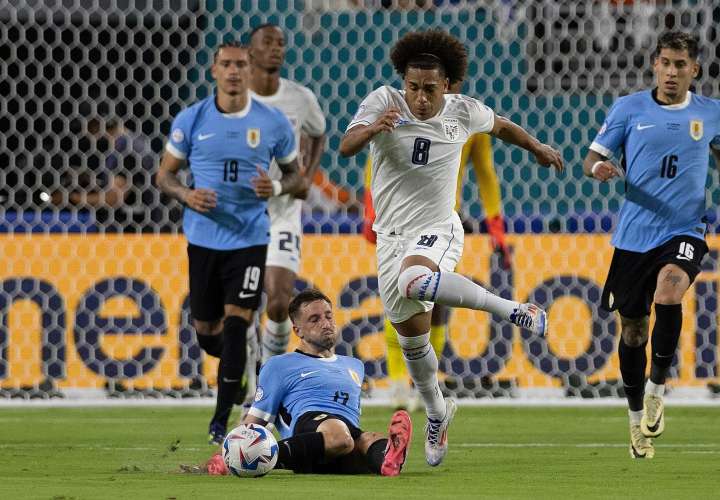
(359, 136)
(508, 131)
(252, 419)
(599, 167)
(200, 200)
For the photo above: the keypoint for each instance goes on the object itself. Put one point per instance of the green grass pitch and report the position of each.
(495, 452)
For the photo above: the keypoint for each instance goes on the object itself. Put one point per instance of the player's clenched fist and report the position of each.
(386, 122)
(201, 200)
(262, 184)
(604, 171)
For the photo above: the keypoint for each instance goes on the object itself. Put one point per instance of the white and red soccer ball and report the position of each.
(250, 450)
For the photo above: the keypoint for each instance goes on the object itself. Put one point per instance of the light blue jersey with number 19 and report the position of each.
(223, 151)
(665, 151)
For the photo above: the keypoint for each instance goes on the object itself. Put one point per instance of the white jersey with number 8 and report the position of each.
(415, 168)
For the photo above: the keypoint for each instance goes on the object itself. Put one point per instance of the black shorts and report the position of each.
(632, 278)
(219, 277)
(353, 463)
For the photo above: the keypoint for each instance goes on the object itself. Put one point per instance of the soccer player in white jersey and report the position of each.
(267, 54)
(665, 136)
(416, 137)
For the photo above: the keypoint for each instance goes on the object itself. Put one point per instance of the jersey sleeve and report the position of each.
(371, 108)
(612, 133)
(314, 123)
(482, 118)
(285, 148)
(269, 393)
(179, 142)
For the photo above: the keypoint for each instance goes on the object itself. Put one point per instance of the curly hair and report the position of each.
(429, 50)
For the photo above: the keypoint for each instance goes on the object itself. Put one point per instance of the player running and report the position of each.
(416, 137)
(665, 136)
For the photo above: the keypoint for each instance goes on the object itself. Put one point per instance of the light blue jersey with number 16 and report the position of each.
(665, 151)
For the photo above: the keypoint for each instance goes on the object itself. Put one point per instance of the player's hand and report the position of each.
(547, 156)
(605, 171)
(386, 122)
(201, 200)
(262, 184)
(496, 230)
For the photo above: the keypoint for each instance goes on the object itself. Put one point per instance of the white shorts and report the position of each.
(285, 234)
(442, 244)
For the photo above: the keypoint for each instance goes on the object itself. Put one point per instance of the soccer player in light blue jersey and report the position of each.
(319, 393)
(228, 140)
(662, 138)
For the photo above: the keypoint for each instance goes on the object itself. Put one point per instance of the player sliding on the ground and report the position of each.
(317, 393)
(416, 138)
(665, 136)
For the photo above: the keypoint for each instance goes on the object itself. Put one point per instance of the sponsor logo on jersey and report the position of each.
(177, 135)
(696, 129)
(253, 137)
(259, 393)
(451, 127)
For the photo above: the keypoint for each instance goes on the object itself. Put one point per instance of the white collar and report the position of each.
(680, 105)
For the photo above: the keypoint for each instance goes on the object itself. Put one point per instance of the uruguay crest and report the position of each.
(253, 137)
(451, 127)
(354, 375)
(696, 129)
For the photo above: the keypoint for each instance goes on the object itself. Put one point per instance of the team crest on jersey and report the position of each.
(451, 127)
(253, 137)
(696, 129)
(354, 375)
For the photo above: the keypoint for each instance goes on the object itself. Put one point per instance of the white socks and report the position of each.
(451, 289)
(275, 338)
(654, 389)
(422, 364)
(635, 417)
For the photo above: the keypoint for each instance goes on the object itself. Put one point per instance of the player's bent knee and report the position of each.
(413, 282)
(635, 331)
(338, 440)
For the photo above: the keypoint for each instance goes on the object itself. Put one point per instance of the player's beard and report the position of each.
(325, 342)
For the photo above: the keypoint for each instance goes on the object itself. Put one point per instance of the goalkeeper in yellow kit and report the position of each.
(478, 149)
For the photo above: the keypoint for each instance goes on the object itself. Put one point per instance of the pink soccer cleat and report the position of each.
(399, 436)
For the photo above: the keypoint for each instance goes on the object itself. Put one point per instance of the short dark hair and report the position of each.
(262, 27)
(305, 297)
(230, 44)
(677, 40)
(430, 50)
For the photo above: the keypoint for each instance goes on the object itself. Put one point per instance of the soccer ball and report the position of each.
(250, 450)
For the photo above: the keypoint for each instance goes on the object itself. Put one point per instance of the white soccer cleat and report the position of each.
(653, 419)
(640, 446)
(530, 317)
(436, 439)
